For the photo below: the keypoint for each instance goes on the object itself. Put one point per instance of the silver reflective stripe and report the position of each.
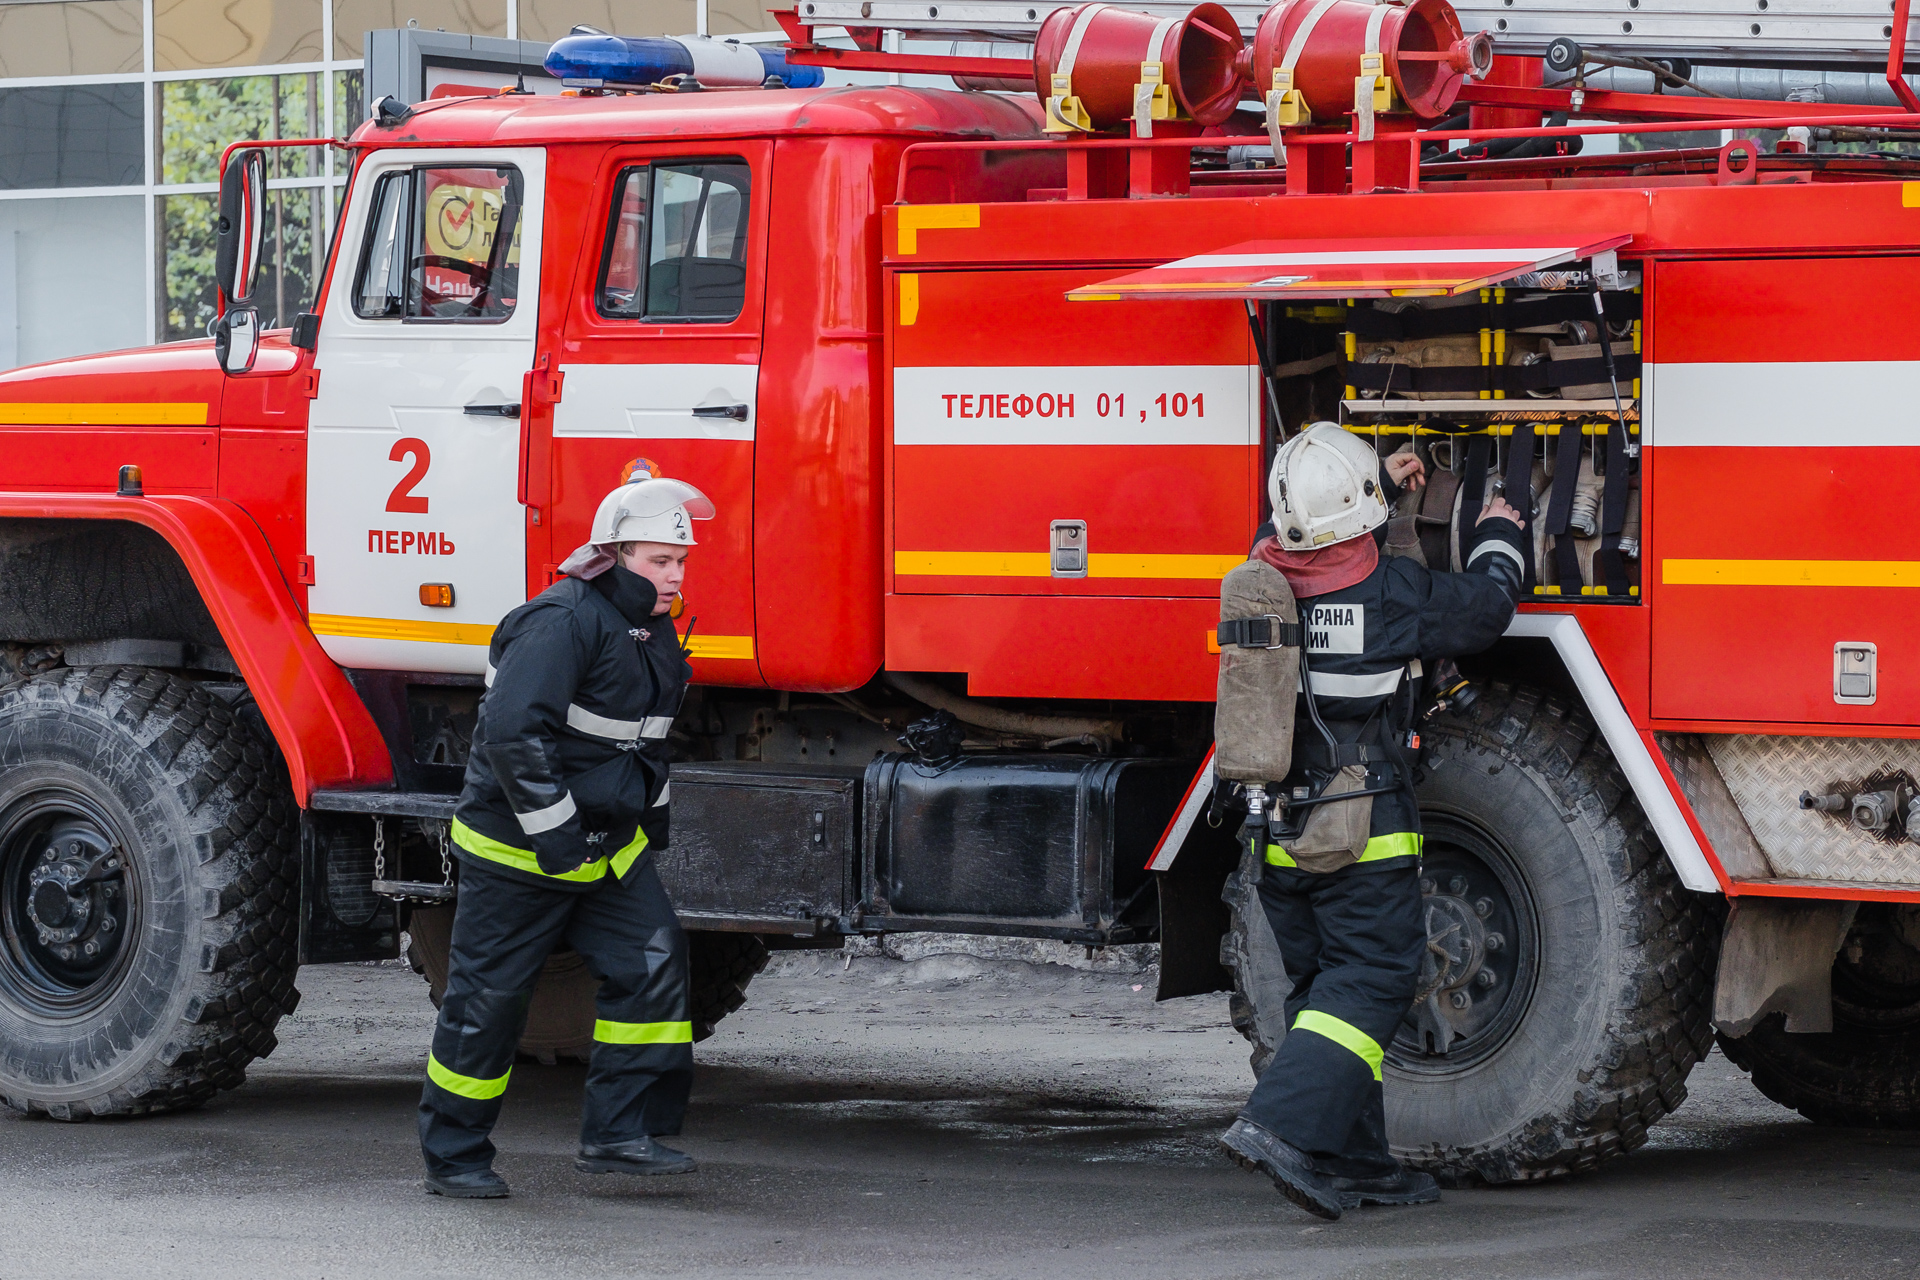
(491, 673)
(1329, 685)
(655, 726)
(548, 818)
(1503, 549)
(664, 788)
(621, 730)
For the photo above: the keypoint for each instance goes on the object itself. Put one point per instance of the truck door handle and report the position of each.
(738, 412)
(492, 410)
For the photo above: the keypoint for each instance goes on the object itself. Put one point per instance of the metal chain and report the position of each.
(379, 848)
(446, 859)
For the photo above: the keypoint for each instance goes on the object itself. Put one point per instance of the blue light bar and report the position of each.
(624, 61)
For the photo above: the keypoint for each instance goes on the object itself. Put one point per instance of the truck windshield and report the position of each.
(442, 244)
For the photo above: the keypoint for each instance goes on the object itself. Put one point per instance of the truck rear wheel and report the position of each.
(1866, 1071)
(149, 878)
(560, 1020)
(1569, 987)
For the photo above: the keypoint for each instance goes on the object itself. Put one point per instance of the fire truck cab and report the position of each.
(984, 387)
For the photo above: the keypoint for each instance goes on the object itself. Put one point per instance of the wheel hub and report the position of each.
(1477, 973)
(71, 892)
(65, 906)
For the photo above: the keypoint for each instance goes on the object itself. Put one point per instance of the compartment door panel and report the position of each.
(1782, 448)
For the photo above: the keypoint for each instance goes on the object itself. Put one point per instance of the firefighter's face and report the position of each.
(661, 563)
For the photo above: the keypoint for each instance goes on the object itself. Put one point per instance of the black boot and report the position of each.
(1258, 1151)
(1403, 1187)
(475, 1184)
(641, 1156)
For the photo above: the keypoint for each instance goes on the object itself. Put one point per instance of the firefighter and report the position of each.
(1340, 886)
(565, 799)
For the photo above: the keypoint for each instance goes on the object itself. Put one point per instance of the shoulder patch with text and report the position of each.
(1337, 628)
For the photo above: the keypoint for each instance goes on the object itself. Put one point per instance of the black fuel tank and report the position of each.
(1050, 846)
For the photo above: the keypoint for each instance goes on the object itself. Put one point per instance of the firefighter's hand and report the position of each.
(1404, 470)
(1499, 507)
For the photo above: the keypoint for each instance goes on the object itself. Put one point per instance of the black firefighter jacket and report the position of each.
(567, 779)
(1368, 646)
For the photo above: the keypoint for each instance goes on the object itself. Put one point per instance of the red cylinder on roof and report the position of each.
(1423, 53)
(1100, 51)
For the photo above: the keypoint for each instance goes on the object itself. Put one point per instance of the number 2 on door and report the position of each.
(402, 498)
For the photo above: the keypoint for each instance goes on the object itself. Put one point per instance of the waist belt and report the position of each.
(1264, 632)
(1318, 755)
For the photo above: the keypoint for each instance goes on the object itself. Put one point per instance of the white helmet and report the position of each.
(650, 510)
(1325, 488)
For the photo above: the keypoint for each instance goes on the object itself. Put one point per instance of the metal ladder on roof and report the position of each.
(1789, 33)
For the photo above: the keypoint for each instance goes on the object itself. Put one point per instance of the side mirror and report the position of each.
(236, 339)
(236, 258)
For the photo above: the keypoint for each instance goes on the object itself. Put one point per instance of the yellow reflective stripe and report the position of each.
(643, 1032)
(1344, 1034)
(522, 859)
(699, 646)
(466, 1086)
(75, 414)
(1790, 573)
(339, 624)
(625, 857)
(1401, 844)
(1039, 564)
(915, 218)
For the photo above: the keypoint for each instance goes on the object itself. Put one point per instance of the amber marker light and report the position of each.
(437, 595)
(130, 483)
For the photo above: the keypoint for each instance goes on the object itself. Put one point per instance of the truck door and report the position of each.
(414, 523)
(1780, 458)
(660, 368)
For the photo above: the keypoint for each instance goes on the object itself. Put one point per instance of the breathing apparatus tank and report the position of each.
(1260, 641)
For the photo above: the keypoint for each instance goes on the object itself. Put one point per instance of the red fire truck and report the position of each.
(984, 385)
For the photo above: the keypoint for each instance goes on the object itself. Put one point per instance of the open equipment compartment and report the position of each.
(1507, 391)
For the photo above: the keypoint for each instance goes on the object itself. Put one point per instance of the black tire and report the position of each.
(560, 1021)
(186, 811)
(1850, 1077)
(1599, 998)
(1865, 1073)
(719, 967)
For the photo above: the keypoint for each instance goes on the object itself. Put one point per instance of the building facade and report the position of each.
(113, 115)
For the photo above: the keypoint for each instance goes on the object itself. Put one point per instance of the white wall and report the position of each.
(72, 277)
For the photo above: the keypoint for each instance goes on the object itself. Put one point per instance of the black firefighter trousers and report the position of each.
(1353, 941)
(503, 930)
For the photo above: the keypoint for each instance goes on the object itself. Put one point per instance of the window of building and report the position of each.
(691, 220)
(71, 136)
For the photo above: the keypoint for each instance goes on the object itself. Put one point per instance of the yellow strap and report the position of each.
(466, 1086)
(643, 1032)
(1401, 844)
(1344, 1034)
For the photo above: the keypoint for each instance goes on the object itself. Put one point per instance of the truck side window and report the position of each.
(677, 243)
(442, 244)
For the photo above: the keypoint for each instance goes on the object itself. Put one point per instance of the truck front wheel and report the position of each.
(148, 887)
(1568, 985)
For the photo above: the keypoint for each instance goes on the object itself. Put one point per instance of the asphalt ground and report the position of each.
(874, 1118)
